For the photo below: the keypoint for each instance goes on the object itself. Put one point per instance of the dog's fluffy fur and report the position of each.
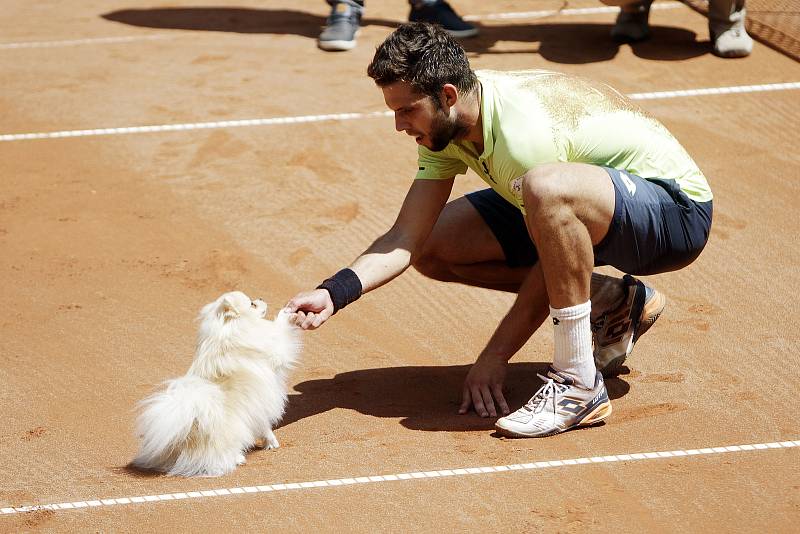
(232, 396)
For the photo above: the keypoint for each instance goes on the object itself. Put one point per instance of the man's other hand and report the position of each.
(483, 388)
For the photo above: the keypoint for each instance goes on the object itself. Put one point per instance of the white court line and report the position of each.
(73, 42)
(355, 116)
(211, 493)
(565, 12)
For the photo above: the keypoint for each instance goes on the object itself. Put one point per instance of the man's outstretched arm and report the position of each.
(385, 259)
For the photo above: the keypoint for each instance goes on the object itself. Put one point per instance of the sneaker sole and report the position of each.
(463, 34)
(595, 417)
(652, 310)
(336, 46)
(340, 45)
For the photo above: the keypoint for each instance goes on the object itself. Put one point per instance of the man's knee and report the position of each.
(542, 188)
(430, 261)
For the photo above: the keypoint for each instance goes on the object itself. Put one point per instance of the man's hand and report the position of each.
(483, 387)
(311, 308)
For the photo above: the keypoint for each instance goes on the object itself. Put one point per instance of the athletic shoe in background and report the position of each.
(342, 27)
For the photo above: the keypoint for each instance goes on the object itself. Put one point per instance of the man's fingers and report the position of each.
(497, 391)
(477, 402)
(466, 401)
(488, 402)
(308, 322)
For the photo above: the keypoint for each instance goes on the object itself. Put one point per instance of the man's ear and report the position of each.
(449, 95)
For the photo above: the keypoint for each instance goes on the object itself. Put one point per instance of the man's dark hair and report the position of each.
(425, 56)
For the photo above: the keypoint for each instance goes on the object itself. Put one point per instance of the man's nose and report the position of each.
(399, 124)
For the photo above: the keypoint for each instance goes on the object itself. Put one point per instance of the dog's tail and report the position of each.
(172, 425)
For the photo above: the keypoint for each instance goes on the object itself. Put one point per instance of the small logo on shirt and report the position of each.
(422, 168)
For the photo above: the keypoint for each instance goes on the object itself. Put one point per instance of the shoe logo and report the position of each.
(628, 183)
(599, 396)
(617, 328)
(556, 322)
(571, 405)
(422, 168)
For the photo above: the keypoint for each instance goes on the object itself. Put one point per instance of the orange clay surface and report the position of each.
(110, 244)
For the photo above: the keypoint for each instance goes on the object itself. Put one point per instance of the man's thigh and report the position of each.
(506, 225)
(656, 228)
(462, 236)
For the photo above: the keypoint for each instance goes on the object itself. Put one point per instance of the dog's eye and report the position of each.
(253, 305)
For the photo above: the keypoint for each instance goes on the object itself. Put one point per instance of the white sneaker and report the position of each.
(732, 42)
(558, 406)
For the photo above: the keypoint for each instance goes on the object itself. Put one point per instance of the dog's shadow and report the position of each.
(422, 397)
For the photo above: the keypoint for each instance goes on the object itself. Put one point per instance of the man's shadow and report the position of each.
(422, 397)
(559, 43)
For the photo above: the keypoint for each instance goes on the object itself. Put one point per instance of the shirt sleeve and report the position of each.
(438, 165)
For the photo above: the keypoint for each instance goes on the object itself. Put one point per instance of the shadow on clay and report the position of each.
(422, 397)
(235, 20)
(560, 43)
(586, 43)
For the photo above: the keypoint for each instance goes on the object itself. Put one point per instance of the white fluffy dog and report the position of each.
(232, 396)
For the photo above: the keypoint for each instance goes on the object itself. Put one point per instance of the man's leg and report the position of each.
(726, 28)
(632, 22)
(342, 25)
(569, 209)
(439, 12)
(463, 248)
(483, 241)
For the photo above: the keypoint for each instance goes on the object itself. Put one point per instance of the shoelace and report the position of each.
(550, 389)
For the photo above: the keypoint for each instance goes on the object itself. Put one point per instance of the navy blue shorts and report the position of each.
(656, 228)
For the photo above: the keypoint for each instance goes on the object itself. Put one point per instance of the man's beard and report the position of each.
(444, 131)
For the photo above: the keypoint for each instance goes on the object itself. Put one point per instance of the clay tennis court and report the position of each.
(155, 155)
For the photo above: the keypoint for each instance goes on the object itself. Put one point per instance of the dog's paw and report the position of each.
(241, 460)
(287, 317)
(272, 442)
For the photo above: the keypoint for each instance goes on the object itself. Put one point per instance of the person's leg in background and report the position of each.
(441, 13)
(726, 28)
(343, 23)
(342, 26)
(632, 22)
(725, 25)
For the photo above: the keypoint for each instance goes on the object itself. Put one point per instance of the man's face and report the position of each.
(419, 116)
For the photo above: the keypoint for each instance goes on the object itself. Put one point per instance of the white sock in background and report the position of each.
(573, 343)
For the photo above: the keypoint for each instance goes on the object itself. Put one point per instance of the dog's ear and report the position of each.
(228, 309)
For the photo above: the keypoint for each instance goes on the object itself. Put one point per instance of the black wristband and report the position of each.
(344, 288)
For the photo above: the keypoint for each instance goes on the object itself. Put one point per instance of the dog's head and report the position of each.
(234, 305)
(234, 327)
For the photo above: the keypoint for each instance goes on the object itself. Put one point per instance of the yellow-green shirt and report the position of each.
(535, 117)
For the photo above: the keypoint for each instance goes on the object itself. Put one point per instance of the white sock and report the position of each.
(573, 343)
